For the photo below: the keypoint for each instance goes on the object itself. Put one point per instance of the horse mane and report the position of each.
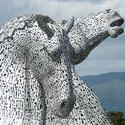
(19, 23)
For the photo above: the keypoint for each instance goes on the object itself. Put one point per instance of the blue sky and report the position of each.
(109, 56)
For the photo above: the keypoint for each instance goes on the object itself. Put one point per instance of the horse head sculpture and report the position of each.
(88, 32)
(27, 48)
(37, 78)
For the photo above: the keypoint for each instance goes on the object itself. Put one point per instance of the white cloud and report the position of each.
(63, 9)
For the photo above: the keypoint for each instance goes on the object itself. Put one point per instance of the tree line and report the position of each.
(116, 118)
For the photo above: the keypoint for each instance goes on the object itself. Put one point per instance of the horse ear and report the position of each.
(69, 24)
(43, 24)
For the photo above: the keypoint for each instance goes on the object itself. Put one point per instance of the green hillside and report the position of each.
(110, 89)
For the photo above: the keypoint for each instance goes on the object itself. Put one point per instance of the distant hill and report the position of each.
(110, 89)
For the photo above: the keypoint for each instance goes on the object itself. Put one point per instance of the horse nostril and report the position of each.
(117, 22)
(66, 107)
(63, 104)
(67, 104)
